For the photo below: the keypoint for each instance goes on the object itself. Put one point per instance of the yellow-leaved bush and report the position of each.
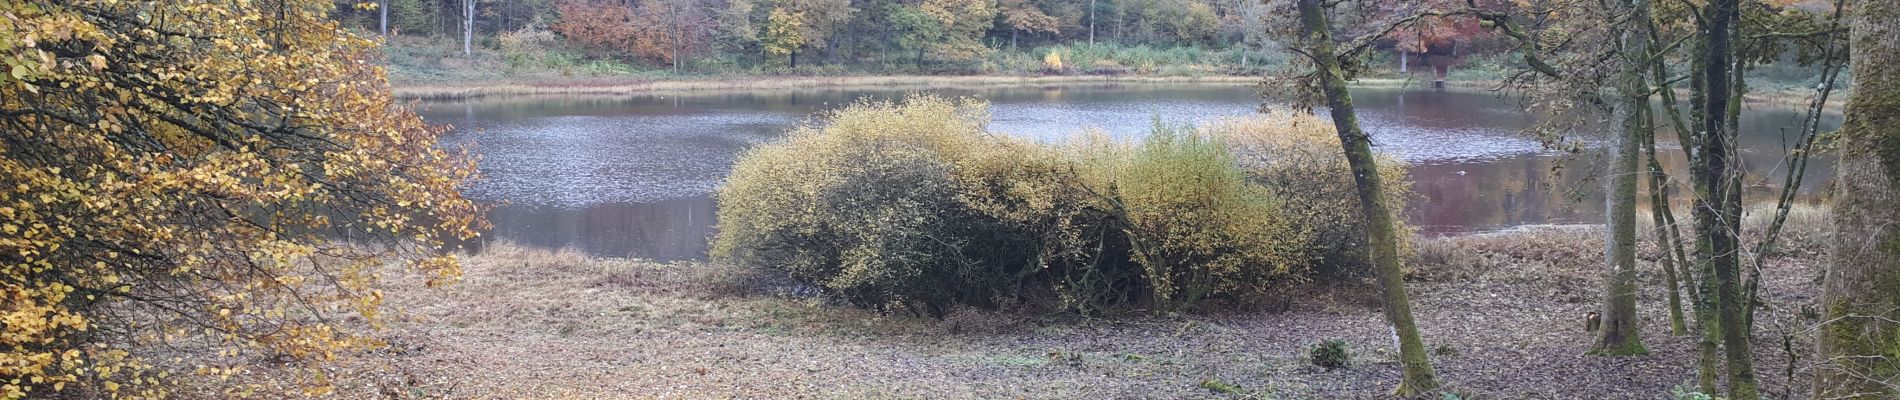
(1299, 154)
(232, 174)
(912, 206)
(916, 206)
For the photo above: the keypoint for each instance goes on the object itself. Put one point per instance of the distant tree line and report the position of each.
(941, 35)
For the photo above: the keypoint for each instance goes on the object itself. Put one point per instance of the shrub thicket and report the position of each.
(1300, 154)
(909, 205)
(915, 206)
(1194, 223)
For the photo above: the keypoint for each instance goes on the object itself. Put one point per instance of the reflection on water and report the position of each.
(633, 176)
(674, 229)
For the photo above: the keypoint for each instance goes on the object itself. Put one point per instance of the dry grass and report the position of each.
(1502, 312)
(624, 86)
(1764, 96)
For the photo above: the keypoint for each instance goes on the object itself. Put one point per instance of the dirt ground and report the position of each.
(1502, 313)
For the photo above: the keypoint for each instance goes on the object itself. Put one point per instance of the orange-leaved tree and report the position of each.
(613, 27)
(223, 171)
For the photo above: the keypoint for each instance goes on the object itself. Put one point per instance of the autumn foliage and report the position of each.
(1299, 153)
(915, 206)
(651, 30)
(229, 173)
(610, 27)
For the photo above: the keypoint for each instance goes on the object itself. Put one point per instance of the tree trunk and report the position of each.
(1417, 376)
(1091, 22)
(1860, 338)
(1621, 333)
(1669, 244)
(678, 31)
(1675, 263)
(1702, 291)
(1403, 61)
(1720, 221)
(468, 27)
(383, 26)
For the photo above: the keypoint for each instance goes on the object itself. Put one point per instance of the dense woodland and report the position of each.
(934, 36)
(217, 198)
(527, 39)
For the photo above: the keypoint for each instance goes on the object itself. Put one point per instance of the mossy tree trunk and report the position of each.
(1702, 290)
(1719, 220)
(1620, 333)
(1668, 238)
(1860, 338)
(1417, 375)
(1675, 263)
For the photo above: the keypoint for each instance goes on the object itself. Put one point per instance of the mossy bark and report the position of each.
(1720, 220)
(1702, 291)
(1860, 335)
(1675, 263)
(1666, 238)
(1417, 374)
(1621, 334)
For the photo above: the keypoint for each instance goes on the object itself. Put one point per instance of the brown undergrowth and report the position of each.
(1502, 311)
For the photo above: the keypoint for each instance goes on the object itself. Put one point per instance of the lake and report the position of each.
(633, 176)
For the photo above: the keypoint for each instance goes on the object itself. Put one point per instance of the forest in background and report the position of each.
(436, 41)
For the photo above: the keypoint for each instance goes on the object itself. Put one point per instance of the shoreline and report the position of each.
(635, 86)
(620, 87)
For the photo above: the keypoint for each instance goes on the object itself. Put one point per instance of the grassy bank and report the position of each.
(429, 69)
(596, 86)
(1503, 311)
(623, 86)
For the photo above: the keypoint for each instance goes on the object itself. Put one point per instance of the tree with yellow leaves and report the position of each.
(783, 34)
(228, 171)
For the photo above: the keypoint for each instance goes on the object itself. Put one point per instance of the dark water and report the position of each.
(633, 176)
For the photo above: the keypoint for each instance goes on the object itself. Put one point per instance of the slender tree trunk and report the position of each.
(1720, 221)
(1708, 344)
(468, 27)
(679, 32)
(1860, 335)
(1440, 69)
(1668, 236)
(1666, 242)
(1417, 375)
(1404, 60)
(1091, 22)
(1621, 333)
(383, 10)
(1797, 160)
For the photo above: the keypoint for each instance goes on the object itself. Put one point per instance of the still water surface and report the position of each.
(633, 176)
